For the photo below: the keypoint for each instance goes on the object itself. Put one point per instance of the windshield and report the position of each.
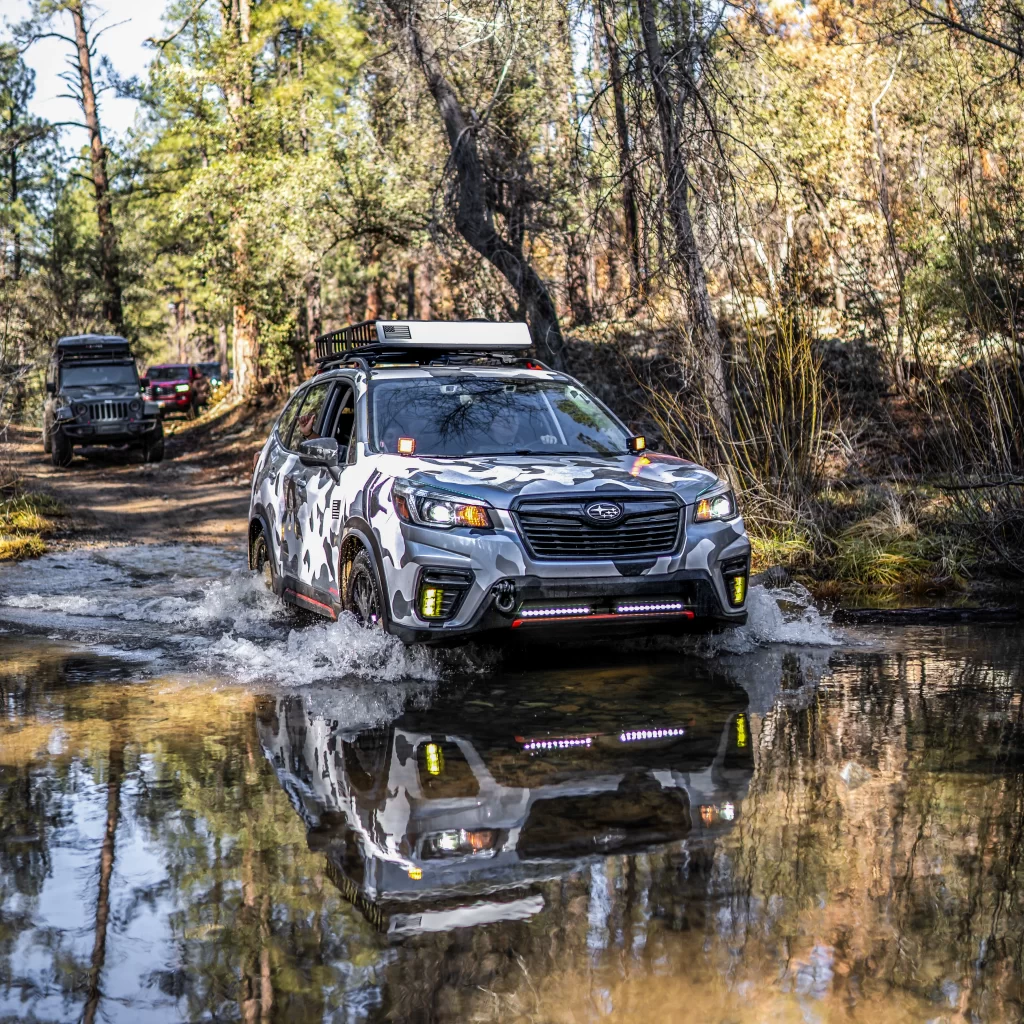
(481, 416)
(167, 373)
(210, 369)
(86, 376)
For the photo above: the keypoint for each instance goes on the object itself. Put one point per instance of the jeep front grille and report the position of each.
(108, 411)
(560, 528)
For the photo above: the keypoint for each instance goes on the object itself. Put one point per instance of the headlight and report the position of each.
(718, 506)
(79, 409)
(459, 843)
(432, 508)
(181, 387)
(135, 405)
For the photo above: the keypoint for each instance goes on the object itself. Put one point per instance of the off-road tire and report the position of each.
(362, 594)
(61, 449)
(47, 443)
(153, 451)
(262, 563)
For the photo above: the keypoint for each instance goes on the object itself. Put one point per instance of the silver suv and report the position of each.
(434, 480)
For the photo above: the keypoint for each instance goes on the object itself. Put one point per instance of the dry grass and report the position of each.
(25, 520)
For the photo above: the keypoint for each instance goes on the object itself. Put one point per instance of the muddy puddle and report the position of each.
(213, 810)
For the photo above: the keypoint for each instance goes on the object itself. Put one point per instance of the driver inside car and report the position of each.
(507, 430)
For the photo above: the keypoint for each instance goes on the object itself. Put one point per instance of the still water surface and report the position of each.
(210, 810)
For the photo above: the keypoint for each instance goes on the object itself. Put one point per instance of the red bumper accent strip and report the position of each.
(325, 608)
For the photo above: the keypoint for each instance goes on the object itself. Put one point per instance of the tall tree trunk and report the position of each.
(686, 252)
(314, 316)
(110, 269)
(890, 233)
(236, 25)
(222, 346)
(410, 292)
(474, 216)
(630, 217)
(115, 773)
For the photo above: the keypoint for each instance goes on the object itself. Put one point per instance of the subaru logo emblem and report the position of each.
(603, 512)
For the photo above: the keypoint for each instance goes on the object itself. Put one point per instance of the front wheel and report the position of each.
(61, 449)
(47, 443)
(362, 595)
(261, 560)
(153, 449)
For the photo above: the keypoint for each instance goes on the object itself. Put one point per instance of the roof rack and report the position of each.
(422, 342)
(90, 348)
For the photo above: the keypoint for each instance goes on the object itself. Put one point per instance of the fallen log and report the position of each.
(925, 616)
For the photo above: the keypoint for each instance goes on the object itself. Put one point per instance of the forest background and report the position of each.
(783, 239)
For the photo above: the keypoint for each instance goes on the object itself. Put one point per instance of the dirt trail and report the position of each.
(199, 493)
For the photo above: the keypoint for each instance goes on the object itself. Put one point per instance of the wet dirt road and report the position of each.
(214, 810)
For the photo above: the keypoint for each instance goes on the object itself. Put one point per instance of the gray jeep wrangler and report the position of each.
(94, 397)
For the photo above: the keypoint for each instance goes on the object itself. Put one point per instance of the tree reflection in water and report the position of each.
(520, 846)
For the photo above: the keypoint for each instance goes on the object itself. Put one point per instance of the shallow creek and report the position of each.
(211, 809)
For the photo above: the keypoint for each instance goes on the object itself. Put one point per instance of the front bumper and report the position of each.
(683, 601)
(116, 432)
(176, 403)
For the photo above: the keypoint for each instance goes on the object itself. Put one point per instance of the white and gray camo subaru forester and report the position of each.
(433, 480)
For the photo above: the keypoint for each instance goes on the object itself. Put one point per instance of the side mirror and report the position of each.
(319, 451)
(51, 387)
(143, 383)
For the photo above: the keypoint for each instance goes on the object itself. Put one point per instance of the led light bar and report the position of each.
(558, 744)
(649, 734)
(635, 607)
(537, 613)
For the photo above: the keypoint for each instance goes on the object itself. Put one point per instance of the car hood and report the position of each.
(92, 392)
(502, 479)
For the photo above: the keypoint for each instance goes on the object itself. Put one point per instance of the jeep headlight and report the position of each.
(717, 506)
(438, 509)
(135, 405)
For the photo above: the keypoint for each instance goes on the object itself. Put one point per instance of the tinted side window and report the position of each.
(286, 420)
(308, 424)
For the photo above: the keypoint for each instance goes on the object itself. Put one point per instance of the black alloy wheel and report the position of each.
(362, 595)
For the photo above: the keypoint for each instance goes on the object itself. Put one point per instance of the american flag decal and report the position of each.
(397, 332)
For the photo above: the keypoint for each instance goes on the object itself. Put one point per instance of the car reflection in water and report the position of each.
(426, 828)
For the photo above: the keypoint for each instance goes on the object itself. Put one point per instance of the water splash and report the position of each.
(786, 615)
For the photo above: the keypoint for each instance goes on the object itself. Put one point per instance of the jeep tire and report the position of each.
(61, 449)
(153, 449)
(362, 592)
(47, 428)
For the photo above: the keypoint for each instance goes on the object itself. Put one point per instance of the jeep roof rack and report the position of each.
(77, 348)
(422, 342)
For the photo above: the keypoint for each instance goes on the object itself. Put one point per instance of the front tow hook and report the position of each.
(504, 596)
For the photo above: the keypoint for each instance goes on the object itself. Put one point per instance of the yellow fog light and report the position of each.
(432, 602)
(415, 874)
(434, 758)
(407, 446)
(737, 589)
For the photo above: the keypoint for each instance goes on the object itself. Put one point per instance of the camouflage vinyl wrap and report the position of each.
(309, 512)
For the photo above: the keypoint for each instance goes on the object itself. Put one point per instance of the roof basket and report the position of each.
(421, 340)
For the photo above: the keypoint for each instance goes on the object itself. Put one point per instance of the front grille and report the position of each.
(108, 411)
(561, 529)
(162, 392)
